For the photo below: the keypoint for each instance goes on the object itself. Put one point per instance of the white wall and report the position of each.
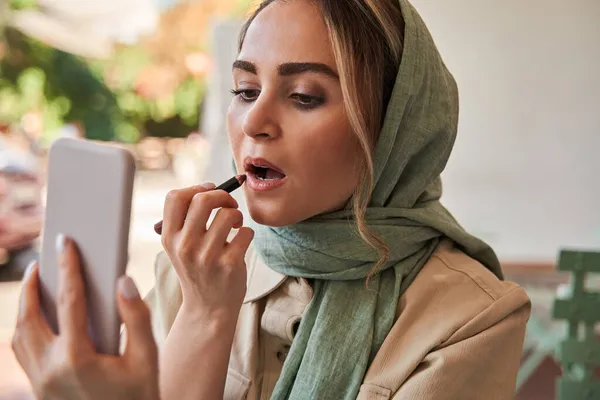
(219, 165)
(525, 173)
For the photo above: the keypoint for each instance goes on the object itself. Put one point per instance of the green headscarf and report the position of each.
(345, 323)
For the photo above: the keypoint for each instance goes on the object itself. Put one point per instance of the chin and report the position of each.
(271, 214)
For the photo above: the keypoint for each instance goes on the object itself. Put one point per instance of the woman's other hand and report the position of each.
(212, 270)
(67, 366)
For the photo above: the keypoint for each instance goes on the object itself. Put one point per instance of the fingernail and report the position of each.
(28, 270)
(60, 243)
(208, 186)
(128, 289)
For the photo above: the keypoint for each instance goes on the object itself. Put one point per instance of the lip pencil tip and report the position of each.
(241, 178)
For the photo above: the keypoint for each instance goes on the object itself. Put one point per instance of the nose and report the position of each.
(260, 121)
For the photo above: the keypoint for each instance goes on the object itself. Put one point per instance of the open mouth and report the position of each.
(265, 173)
(263, 170)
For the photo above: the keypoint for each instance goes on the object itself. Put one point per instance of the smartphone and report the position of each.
(89, 195)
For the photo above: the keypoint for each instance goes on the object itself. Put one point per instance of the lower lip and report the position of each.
(259, 185)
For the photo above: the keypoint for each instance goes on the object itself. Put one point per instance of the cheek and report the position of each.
(331, 154)
(235, 134)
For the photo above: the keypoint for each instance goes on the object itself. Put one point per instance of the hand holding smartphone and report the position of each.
(90, 187)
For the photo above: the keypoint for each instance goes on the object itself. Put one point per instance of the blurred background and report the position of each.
(154, 76)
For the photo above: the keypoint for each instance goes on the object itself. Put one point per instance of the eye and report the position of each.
(246, 95)
(306, 101)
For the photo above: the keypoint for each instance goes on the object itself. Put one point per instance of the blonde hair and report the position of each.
(367, 39)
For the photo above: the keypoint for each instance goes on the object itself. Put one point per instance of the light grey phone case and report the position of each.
(90, 187)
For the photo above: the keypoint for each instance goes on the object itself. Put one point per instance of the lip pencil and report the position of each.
(229, 186)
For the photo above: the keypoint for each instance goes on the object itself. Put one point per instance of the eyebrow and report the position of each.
(245, 66)
(289, 69)
(299, 68)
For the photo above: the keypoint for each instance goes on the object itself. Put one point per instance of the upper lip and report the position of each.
(251, 162)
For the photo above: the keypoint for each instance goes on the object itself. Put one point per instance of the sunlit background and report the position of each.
(154, 76)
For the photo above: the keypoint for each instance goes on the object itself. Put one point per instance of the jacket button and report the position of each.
(282, 354)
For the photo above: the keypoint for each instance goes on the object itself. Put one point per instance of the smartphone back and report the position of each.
(90, 189)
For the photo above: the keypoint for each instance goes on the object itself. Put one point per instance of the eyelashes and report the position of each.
(246, 95)
(301, 101)
(307, 102)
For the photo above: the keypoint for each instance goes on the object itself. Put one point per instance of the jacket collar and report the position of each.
(261, 279)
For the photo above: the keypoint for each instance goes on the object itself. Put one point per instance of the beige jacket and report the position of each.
(458, 334)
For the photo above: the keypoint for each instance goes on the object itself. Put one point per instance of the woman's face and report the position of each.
(287, 124)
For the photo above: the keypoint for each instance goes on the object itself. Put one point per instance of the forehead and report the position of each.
(288, 31)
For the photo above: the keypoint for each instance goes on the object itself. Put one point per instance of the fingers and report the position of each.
(32, 334)
(30, 316)
(202, 206)
(71, 305)
(29, 303)
(225, 220)
(191, 243)
(141, 347)
(240, 243)
(176, 207)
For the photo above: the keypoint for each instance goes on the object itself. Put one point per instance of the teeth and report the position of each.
(264, 173)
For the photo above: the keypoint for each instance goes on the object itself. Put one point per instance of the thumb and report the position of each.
(135, 314)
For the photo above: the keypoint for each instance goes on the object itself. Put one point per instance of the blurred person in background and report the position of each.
(355, 281)
(20, 207)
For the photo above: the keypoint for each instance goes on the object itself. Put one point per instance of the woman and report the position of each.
(358, 283)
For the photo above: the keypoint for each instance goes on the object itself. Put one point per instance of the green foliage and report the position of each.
(22, 4)
(180, 108)
(36, 77)
(101, 95)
